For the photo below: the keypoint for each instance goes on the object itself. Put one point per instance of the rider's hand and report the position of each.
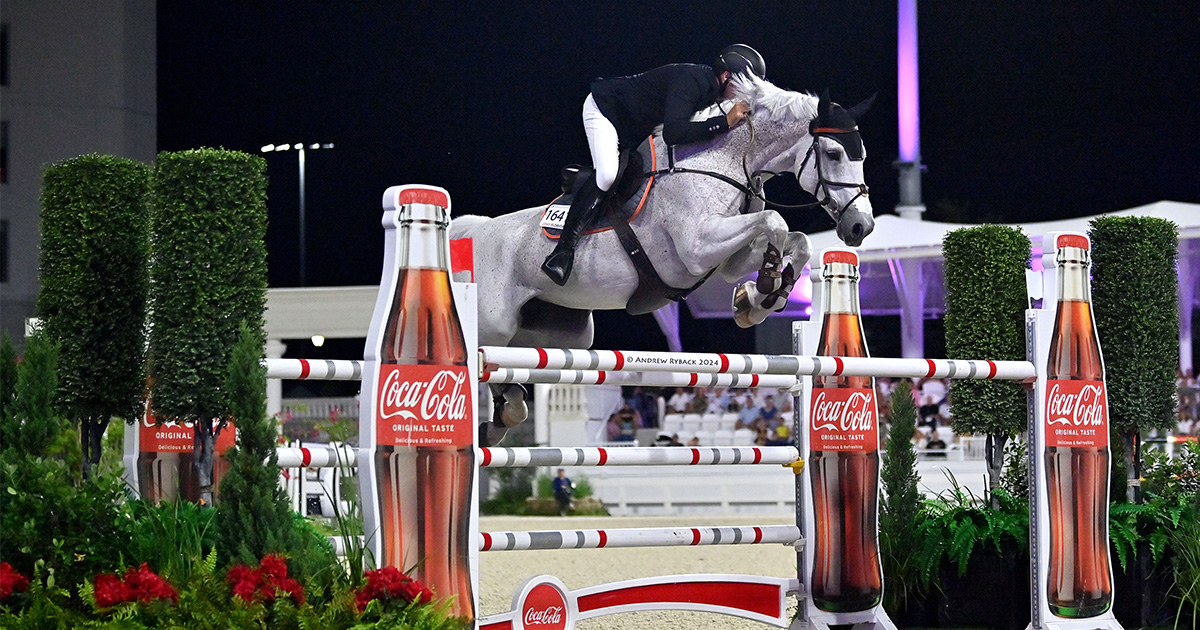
(740, 111)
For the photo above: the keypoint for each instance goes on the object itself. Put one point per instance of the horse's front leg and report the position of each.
(715, 242)
(754, 301)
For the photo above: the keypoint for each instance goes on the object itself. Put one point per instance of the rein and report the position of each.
(745, 188)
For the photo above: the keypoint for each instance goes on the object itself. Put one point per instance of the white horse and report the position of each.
(691, 225)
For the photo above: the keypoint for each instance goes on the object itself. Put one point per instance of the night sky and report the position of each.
(1029, 110)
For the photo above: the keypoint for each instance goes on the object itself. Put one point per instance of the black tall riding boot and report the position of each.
(584, 208)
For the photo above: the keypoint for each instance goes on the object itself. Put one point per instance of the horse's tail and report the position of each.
(466, 225)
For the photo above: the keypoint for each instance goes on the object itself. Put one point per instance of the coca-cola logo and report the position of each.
(149, 421)
(1076, 403)
(442, 397)
(855, 412)
(544, 608)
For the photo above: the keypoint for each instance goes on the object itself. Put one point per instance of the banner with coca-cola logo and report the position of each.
(1076, 414)
(843, 419)
(176, 437)
(424, 405)
(544, 607)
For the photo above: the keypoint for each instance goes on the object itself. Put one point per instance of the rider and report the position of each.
(622, 111)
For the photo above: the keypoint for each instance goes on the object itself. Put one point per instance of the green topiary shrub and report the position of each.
(94, 280)
(985, 313)
(1135, 298)
(209, 277)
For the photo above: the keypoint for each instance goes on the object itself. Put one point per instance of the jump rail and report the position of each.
(314, 369)
(495, 357)
(639, 537)
(639, 456)
(654, 379)
(346, 457)
(319, 457)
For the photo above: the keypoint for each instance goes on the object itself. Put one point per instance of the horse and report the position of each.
(699, 218)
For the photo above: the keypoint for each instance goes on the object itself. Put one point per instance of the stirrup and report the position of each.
(557, 266)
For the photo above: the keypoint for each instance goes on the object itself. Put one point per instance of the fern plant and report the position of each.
(957, 522)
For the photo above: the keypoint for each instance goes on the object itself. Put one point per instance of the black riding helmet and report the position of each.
(740, 58)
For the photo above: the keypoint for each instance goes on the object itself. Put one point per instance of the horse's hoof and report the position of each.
(515, 412)
(745, 314)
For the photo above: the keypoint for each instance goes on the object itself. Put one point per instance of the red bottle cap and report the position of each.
(1072, 240)
(839, 256)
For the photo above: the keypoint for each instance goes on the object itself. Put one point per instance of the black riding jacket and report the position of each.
(669, 95)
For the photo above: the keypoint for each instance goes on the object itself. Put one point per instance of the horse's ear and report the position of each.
(824, 103)
(861, 108)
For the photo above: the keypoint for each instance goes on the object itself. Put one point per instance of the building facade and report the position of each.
(76, 77)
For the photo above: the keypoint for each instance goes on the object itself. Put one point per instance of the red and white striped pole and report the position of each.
(495, 358)
(639, 537)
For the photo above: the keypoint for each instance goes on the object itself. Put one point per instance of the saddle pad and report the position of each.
(555, 214)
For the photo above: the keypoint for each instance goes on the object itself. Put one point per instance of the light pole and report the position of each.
(300, 148)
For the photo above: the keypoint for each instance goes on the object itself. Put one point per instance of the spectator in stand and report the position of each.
(622, 425)
(678, 403)
(735, 397)
(699, 403)
(769, 412)
(1189, 403)
(777, 433)
(646, 404)
(563, 489)
(718, 400)
(695, 441)
(748, 414)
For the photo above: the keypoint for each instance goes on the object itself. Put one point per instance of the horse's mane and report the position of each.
(760, 93)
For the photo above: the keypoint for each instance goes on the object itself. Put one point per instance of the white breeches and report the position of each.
(603, 142)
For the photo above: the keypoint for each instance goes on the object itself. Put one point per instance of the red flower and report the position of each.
(140, 584)
(148, 586)
(11, 580)
(389, 583)
(265, 583)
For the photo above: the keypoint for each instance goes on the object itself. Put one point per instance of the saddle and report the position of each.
(618, 212)
(632, 190)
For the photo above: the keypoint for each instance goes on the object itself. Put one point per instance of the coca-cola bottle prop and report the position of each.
(424, 457)
(1079, 580)
(844, 455)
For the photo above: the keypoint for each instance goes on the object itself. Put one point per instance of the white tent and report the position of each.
(902, 271)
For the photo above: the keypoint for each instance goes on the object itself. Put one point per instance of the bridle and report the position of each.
(823, 184)
(750, 189)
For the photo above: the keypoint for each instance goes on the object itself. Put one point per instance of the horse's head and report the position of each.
(832, 169)
(830, 165)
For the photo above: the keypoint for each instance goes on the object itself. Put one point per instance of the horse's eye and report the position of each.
(833, 154)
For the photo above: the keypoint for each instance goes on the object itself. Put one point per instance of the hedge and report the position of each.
(209, 277)
(94, 279)
(1135, 298)
(986, 301)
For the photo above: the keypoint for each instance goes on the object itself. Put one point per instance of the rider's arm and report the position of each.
(685, 97)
